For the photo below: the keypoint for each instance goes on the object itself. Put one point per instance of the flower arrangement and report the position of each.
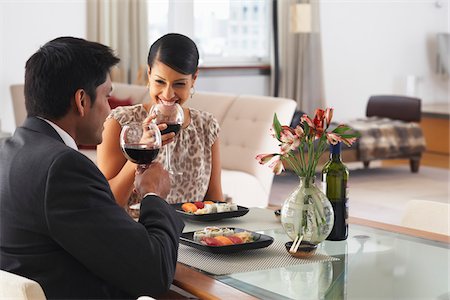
(311, 135)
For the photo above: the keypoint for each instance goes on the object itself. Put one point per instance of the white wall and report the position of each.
(370, 47)
(24, 27)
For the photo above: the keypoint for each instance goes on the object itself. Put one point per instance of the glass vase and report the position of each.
(307, 213)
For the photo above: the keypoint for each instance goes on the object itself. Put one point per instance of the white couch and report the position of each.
(245, 122)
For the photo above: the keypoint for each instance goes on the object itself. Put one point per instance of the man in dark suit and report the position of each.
(60, 224)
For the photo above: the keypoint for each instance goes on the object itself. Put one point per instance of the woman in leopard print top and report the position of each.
(172, 71)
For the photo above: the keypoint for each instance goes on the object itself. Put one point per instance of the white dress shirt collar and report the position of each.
(67, 139)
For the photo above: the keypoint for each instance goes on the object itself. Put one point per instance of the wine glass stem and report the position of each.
(168, 165)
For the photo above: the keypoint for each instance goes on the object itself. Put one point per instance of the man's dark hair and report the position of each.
(177, 51)
(58, 69)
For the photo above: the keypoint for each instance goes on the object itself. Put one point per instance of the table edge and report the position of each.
(204, 286)
(401, 229)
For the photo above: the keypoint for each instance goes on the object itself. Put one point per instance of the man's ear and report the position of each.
(81, 102)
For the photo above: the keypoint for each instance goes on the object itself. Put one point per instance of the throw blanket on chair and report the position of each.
(387, 138)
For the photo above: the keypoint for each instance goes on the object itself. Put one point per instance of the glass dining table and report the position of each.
(377, 261)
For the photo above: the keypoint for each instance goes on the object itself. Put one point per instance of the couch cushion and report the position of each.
(244, 189)
(216, 103)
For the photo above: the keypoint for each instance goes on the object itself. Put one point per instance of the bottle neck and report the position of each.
(335, 152)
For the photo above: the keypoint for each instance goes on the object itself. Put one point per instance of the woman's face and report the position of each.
(167, 86)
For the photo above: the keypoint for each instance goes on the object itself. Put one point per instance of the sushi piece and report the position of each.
(216, 232)
(223, 207)
(189, 207)
(227, 231)
(225, 241)
(211, 241)
(199, 204)
(235, 239)
(233, 206)
(210, 208)
(201, 211)
(199, 235)
(245, 236)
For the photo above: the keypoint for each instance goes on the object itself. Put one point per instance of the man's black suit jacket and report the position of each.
(60, 225)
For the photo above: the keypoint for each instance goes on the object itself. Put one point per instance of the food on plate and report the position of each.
(235, 239)
(199, 204)
(245, 236)
(208, 207)
(189, 207)
(216, 236)
(210, 241)
(225, 241)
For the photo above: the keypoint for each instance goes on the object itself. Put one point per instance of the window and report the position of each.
(227, 32)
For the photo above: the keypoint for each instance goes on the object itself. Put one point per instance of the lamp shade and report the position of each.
(300, 18)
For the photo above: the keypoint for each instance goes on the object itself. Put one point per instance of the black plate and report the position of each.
(260, 241)
(211, 217)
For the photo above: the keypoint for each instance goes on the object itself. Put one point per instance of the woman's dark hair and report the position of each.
(58, 69)
(175, 50)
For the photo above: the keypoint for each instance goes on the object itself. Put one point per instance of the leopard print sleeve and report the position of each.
(212, 128)
(127, 114)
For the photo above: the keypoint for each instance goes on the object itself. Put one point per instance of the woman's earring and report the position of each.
(192, 91)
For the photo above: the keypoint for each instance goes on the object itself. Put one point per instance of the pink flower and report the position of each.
(333, 138)
(319, 122)
(328, 116)
(265, 158)
(277, 166)
(306, 119)
(348, 141)
(299, 131)
(301, 140)
(289, 140)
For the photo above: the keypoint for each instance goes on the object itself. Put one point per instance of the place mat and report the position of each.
(255, 219)
(274, 256)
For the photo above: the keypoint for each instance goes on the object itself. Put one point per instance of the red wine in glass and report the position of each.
(171, 128)
(140, 144)
(173, 116)
(139, 153)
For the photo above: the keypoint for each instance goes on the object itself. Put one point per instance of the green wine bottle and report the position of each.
(335, 178)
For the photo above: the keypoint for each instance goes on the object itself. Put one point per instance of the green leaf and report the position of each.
(306, 128)
(276, 126)
(341, 129)
(348, 136)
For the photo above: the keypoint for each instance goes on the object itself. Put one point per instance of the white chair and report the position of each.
(428, 216)
(15, 287)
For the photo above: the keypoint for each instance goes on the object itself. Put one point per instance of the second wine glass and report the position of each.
(138, 145)
(173, 116)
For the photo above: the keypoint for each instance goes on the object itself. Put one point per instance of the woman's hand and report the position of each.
(166, 138)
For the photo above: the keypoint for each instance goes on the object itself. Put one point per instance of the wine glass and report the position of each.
(173, 116)
(138, 145)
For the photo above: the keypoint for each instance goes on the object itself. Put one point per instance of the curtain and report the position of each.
(300, 59)
(122, 25)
